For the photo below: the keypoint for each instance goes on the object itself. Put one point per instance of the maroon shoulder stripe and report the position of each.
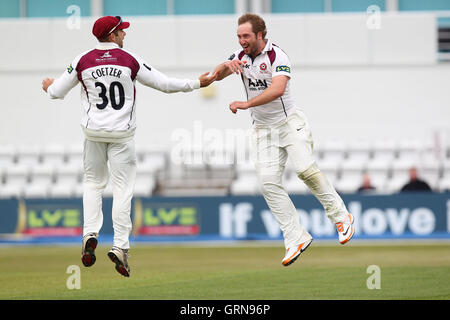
(272, 55)
(241, 54)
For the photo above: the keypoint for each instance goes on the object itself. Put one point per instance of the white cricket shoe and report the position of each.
(88, 249)
(345, 230)
(120, 258)
(294, 252)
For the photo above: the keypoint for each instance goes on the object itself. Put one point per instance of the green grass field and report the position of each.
(324, 271)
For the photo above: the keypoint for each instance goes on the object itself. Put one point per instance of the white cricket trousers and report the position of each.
(122, 168)
(272, 146)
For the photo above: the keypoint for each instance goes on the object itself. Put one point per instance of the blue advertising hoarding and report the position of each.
(415, 215)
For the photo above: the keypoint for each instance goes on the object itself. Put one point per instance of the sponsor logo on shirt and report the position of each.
(283, 68)
(105, 57)
(257, 84)
(70, 68)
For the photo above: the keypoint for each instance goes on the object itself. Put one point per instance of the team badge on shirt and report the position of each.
(263, 66)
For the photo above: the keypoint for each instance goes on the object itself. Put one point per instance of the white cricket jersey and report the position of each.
(257, 76)
(108, 93)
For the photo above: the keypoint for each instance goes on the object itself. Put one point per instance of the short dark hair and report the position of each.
(258, 24)
(106, 39)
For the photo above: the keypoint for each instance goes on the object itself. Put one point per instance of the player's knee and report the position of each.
(311, 170)
(95, 182)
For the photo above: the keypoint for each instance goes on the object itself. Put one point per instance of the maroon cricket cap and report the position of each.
(104, 26)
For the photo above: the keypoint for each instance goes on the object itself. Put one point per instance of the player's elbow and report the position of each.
(55, 95)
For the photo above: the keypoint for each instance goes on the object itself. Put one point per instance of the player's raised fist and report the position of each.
(46, 83)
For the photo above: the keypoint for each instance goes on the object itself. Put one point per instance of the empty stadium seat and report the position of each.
(53, 154)
(16, 177)
(61, 190)
(42, 174)
(444, 180)
(11, 191)
(245, 166)
(349, 182)
(409, 150)
(358, 153)
(145, 180)
(7, 156)
(430, 169)
(144, 186)
(28, 154)
(220, 158)
(245, 184)
(78, 190)
(155, 158)
(69, 173)
(36, 191)
(333, 154)
(329, 167)
(384, 149)
(74, 154)
(41, 178)
(18, 174)
(294, 185)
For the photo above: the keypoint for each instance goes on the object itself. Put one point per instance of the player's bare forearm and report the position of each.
(206, 80)
(221, 71)
(274, 91)
(268, 95)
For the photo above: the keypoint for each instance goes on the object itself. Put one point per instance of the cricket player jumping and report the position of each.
(280, 130)
(108, 96)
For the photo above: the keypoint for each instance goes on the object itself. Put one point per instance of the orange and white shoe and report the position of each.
(294, 252)
(346, 230)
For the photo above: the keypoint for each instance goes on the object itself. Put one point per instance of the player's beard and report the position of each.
(253, 50)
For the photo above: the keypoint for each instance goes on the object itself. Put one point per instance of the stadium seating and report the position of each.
(246, 182)
(41, 178)
(444, 182)
(294, 185)
(7, 156)
(15, 179)
(56, 171)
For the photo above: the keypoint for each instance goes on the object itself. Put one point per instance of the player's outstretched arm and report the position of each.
(206, 80)
(151, 77)
(227, 68)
